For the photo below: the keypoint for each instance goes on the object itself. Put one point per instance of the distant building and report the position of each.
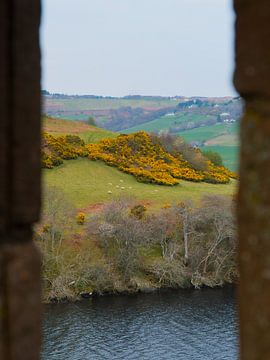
(229, 120)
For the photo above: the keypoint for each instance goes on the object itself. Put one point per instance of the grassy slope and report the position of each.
(229, 155)
(87, 182)
(224, 140)
(165, 122)
(88, 133)
(208, 132)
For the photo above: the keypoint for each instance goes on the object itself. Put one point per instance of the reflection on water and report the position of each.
(188, 325)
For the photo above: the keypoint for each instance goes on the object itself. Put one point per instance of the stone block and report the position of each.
(252, 76)
(20, 302)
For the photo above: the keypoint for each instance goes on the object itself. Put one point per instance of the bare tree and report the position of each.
(57, 215)
(185, 211)
(218, 213)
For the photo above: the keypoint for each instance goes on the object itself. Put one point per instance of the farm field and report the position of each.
(205, 133)
(223, 140)
(165, 122)
(86, 183)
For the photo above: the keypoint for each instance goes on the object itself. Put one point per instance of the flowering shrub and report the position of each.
(56, 149)
(80, 218)
(137, 154)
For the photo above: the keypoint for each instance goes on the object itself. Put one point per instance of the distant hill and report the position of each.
(203, 122)
(118, 114)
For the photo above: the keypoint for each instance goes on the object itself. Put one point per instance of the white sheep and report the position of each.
(109, 192)
(122, 188)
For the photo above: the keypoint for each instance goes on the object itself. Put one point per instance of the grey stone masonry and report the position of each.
(20, 308)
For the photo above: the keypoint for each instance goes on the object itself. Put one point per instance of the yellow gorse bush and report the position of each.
(80, 218)
(138, 155)
(56, 149)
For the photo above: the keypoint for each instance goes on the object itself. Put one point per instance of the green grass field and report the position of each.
(165, 122)
(224, 140)
(87, 183)
(209, 132)
(229, 155)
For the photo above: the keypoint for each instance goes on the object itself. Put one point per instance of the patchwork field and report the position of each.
(205, 133)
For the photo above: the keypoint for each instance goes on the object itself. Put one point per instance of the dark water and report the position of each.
(188, 325)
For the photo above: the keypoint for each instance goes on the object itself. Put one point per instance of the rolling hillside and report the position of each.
(90, 183)
(199, 120)
(205, 133)
(90, 134)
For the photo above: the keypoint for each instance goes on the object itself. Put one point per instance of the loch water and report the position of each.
(182, 325)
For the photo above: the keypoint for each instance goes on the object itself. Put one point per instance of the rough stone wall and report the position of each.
(20, 309)
(252, 80)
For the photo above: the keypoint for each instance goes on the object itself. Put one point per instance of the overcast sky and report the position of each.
(147, 47)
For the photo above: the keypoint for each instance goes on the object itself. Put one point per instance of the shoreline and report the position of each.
(82, 297)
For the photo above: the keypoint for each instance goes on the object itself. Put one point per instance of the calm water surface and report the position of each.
(188, 325)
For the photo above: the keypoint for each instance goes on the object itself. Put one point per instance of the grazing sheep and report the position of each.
(122, 188)
(121, 181)
(109, 192)
(117, 186)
